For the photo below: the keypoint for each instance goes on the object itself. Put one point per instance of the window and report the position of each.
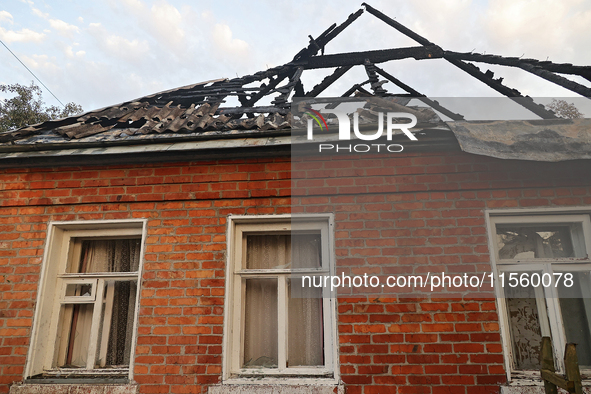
(86, 308)
(275, 327)
(543, 261)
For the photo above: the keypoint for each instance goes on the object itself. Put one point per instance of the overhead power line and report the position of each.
(32, 73)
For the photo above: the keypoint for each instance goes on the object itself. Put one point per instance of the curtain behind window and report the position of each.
(117, 255)
(305, 345)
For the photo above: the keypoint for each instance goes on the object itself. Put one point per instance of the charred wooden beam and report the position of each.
(337, 30)
(298, 89)
(398, 26)
(326, 82)
(379, 56)
(313, 47)
(467, 67)
(286, 90)
(251, 110)
(374, 81)
(528, 65)
(557, 79)
(487, 78)
(263, 91)
(323, 39)
(432, 103)
(358, 87)
(562, 68)
(208, 93)
(259, 76)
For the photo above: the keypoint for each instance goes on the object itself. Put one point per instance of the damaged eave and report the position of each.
(241, 146)
(193, 120)
(548, 140)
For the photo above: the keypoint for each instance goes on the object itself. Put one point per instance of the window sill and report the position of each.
(534, 389)
(276, 388)
(531, 383)
(88, 388)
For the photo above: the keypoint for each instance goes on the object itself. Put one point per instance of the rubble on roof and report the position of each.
(198, 111)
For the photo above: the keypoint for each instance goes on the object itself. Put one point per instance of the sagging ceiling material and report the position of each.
(539, 140)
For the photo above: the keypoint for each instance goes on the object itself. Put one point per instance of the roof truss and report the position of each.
(200, 107)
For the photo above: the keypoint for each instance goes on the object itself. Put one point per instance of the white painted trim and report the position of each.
(64, 299)
(144, 223)
(531, 216)
(55, 257)
(537, 211)
(232, 354)
(282, 381)
(36, 316)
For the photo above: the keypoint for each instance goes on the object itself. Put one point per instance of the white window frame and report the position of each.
(50, 296)
(555, 326)
(233, 319)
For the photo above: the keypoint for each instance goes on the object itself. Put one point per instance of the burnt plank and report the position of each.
(327, 81)
(432, 103)
(529, 65)
(330, 33)
(252, 110)
(562, 68)
(357, 87)
(374, 81)
(264, 90)
(287, 89)
(377, 56)
(467, 67)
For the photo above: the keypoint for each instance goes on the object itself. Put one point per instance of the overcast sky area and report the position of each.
(99, 53)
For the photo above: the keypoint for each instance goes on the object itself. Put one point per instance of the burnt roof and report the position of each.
(198, 110)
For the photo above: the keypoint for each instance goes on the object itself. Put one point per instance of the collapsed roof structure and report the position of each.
(197, 112)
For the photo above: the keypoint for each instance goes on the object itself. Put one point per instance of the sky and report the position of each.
(101, 53)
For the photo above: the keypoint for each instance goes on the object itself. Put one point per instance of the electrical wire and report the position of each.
(32, 73)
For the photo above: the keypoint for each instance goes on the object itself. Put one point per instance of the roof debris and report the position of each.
(198, 110)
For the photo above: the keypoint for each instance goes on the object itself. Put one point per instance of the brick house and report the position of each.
(150, 246)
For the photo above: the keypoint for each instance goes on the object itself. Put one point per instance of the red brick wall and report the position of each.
(389, 212)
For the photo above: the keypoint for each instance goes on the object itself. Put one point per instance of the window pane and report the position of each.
(539, 241)
(526, 326)
(114, 255)
(260, 323)
(74, 335)
(575, 306)
(268, 251)
(116, 330)
(287, 251)
(78, 289)
(305, 333)
(306, 250)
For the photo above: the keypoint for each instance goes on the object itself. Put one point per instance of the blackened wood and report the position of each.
(357, 87)
(327, 81)
(326, 37)
(529, 65)
(526, 102)
(378, 56)
(374, 81)
(398, 26)
(467, 67)
(562, 68)
(263, 91)
(432, 103)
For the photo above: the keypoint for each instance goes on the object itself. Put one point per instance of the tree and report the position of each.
(563, 109)
(27, 107)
